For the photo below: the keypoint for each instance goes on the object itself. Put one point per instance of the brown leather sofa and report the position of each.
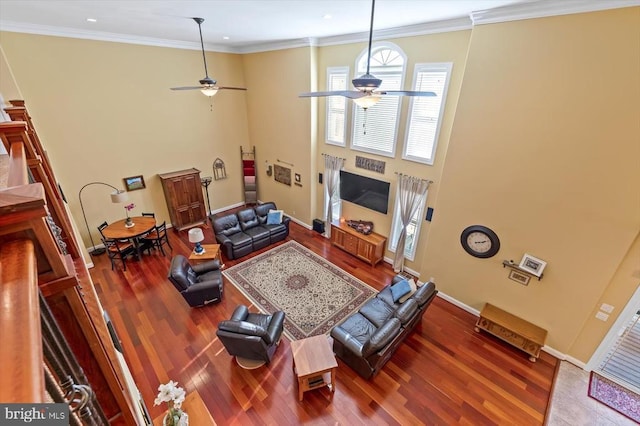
(368, 338)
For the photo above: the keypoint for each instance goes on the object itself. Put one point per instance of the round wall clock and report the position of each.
(480, 241)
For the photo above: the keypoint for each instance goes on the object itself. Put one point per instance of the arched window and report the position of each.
(375, 129)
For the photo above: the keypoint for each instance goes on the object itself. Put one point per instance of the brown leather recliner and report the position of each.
(251, 336)
(198, 284)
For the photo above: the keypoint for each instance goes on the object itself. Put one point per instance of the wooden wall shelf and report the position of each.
(516, 267)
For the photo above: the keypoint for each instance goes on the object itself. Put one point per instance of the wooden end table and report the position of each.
(314, 364)
(211, 251)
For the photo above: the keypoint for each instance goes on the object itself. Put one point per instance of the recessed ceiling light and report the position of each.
(92, 20)
(327, 16)
(225, 38)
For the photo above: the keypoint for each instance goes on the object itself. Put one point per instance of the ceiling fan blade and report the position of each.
(351, 94)
(231, 88)
(187, 88)
(405, 93)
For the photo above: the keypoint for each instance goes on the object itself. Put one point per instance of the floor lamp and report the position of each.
(118, 196)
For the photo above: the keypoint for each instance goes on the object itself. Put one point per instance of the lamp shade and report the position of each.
(119, 196)
(367, 101)
(196, 235)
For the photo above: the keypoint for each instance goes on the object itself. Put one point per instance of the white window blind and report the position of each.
(337, 79)
(375, 129)
(425, 113)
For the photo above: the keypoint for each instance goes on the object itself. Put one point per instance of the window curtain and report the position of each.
(410, 193)
(332, 166)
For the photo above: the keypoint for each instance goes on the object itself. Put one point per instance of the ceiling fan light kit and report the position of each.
(367, 101)
(208, 86)
(366, 85)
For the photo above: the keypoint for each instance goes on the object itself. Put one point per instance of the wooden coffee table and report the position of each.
(211, 251)
(314, 364)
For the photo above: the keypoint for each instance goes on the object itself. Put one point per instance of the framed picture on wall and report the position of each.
(519, 277)
(134, 183)
(532, 264)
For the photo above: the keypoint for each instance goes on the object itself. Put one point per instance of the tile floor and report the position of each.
(571, 406)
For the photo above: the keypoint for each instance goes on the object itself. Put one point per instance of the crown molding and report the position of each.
(278, 45)
(20, 27)
(545, 8)
(448, 25)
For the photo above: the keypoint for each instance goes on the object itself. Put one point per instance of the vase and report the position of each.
(128, 223)
(183, 420)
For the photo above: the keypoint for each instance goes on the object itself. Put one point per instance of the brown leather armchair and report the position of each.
(198, 284)
(251, 336)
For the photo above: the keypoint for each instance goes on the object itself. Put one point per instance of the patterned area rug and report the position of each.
(314, 294)
(615, 396)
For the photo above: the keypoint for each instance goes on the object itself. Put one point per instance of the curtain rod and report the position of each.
(333, 156)
(402, 174)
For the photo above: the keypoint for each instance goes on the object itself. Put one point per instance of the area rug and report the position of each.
(314, 294)
(615, 396)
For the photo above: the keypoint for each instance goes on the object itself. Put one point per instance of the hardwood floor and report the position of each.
(444, 372)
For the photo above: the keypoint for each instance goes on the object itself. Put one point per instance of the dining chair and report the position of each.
(148, 214)
(101, 227)
(158, 237)
(104, 225)
(118, 251)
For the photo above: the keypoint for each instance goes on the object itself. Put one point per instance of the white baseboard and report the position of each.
(299, 222)
(576, 362)
(458, 303)
(222, 209)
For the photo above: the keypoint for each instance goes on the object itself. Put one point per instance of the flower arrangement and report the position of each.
(128, 208)
(174, 396)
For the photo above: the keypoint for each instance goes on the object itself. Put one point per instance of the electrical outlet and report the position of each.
(606, 308)
(602, 316)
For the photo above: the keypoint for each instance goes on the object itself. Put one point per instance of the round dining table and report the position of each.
(141, 226)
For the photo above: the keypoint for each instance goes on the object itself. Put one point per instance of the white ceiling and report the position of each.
(248, 24)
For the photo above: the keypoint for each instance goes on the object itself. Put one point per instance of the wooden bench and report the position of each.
(513, 330)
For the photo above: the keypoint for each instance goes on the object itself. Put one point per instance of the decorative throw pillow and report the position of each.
(274, 217)
(399, 289)
(412, 285)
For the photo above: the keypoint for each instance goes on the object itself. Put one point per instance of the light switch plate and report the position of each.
(602, 316)
(606, 308)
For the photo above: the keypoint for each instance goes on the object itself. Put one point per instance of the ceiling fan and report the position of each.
(207, 85)
(367, 85)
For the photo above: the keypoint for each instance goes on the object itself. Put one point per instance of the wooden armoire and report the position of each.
(183, 192)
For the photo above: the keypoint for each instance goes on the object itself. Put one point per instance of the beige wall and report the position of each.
(104, 111)
(280, 126)
(545, 150)
(8, 87)
(623, 284)
(446, 47)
